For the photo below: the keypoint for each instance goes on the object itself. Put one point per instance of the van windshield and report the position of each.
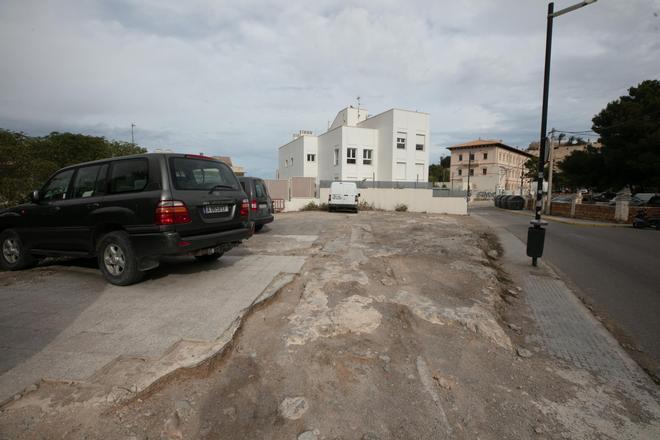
(200, 174)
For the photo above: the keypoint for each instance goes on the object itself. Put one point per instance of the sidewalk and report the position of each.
(568, 331)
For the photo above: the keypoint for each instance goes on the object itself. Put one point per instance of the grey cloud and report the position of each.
(237, 78)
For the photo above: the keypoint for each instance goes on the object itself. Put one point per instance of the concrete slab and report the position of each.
(68, 323)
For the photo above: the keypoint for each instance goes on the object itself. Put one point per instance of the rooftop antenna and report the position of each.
(132, 136)
(358, 100)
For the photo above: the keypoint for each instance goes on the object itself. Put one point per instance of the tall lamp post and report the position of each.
(536, 233)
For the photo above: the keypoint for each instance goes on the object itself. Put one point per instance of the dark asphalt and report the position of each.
(616, 270)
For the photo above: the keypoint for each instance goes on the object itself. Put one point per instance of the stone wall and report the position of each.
(602, 213)
(561, 209)
(652, 212)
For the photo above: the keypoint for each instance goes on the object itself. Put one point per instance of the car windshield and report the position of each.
(201, 174)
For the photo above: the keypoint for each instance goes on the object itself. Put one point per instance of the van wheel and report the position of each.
(13, 254)
(117, 259)
(209, 258)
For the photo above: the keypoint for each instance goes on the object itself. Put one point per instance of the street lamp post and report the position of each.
(536, 233)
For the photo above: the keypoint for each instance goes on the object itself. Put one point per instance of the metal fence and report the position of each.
(382, 184)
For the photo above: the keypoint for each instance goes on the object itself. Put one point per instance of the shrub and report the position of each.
(401, 207)
(311, 206)
(323, 207)
(365, 206)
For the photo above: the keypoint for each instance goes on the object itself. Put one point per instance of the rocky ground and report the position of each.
(401, 326)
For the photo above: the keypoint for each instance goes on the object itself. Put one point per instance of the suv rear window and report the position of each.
(128, 175)
(200, 174)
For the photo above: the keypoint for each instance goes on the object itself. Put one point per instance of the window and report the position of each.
(311, 158)
(286, 163)
(200, 174)
(366, 156)
(401, 140)
(485, 156)
(128, 175)
(351, 153)
(460, 172)
(260, 189)
(484, 171)
(471, 171)
(471, 156)
(419, 142)
(57, 187)
(460, 157)
(292, 161)
(336, 157)
(87, 184)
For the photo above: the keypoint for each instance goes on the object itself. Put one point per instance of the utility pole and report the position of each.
(536, 233)
(468, 186)
(132, 137)
(551, 160)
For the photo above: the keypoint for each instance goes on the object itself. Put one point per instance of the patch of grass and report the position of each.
(401, 207)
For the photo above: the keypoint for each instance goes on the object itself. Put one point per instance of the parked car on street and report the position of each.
(343, 195)
(261, 205)
(562, 199)
(128, 212)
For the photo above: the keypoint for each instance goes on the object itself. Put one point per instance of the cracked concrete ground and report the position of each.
(400, 325)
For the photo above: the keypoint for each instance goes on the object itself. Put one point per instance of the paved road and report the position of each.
(617, 270)
(63, 321)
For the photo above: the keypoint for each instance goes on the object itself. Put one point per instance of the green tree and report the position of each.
(26, 162)
(629, 130)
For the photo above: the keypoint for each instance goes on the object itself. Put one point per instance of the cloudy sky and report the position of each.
(239, 77)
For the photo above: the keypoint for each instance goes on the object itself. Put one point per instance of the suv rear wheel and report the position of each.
(117, 259)
(13, 255)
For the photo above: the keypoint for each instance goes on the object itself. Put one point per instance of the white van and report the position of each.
(343, 195)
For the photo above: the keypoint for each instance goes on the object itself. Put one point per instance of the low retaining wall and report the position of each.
(297, 203)
(417, 200)
(602, 213)
(560, 209)
(651, 212)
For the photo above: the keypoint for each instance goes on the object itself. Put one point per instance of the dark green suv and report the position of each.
(128, 212)
(261, 205)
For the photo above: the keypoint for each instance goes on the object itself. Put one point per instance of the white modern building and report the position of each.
(390, 146)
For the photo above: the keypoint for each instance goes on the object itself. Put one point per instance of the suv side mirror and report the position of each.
(34, 196)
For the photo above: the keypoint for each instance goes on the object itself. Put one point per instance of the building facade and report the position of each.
(493, 167)
(390, 146)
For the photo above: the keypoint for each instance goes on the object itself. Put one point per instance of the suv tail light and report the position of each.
(172, 212)
(253, 204)
(245, 208)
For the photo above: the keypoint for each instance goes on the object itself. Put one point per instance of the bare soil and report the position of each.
(401, 326)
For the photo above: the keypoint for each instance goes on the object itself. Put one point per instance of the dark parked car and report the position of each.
(261, 205)
(128, 212)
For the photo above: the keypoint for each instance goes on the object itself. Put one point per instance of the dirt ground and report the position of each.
(401, 326)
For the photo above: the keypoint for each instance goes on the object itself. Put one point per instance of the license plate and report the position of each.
(216, 209)
(336, 197)
(263, 205)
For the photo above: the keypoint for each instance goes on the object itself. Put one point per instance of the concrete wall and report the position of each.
(327, 143)
(296, 204)
(383, 124)
(278, 189)
(417, 200)
(416, 162)
(292, 158)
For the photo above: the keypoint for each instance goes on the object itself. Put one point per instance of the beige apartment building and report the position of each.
(561, 150)
(493, 167)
